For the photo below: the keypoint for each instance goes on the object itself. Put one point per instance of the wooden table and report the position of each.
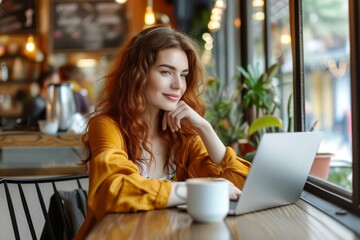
(295, 221)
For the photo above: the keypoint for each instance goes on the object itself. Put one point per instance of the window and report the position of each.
(279, 42)
(320, 68)
(327, 84)
(326, 81)
(256, 23)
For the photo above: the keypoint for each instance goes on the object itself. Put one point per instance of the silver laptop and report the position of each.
(279, 171)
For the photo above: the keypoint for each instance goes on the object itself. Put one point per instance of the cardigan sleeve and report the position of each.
(115, 181)
(197, 163)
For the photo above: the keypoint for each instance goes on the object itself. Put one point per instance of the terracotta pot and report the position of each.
(321, 165)
(242, 147)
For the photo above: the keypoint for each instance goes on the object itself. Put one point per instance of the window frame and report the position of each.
(354, 14)
(322, 189)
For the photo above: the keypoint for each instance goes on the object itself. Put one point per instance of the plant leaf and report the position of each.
(272, 70)
(251, 71)
(244, 72)
(264, 121)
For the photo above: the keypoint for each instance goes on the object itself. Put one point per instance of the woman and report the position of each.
(148, 132)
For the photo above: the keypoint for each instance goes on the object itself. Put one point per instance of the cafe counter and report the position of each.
(29, 153)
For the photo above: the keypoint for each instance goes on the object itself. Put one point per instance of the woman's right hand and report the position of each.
(178, 188)
(234, 192)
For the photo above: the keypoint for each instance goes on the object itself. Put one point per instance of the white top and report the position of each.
(144, 172)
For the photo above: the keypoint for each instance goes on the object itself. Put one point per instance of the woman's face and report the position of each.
(167, 79)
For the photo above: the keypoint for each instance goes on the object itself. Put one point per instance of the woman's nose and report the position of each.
(176, 83)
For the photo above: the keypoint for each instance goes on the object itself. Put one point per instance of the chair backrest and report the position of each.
(42, 207)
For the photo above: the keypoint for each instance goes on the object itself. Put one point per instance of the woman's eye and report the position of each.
(183, 76)
(165, 73)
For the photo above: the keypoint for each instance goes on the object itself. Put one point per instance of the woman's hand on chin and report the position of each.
(182, 115)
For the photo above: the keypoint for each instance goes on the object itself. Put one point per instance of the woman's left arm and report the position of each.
(185, 115)
(212, 142)
(207, 155)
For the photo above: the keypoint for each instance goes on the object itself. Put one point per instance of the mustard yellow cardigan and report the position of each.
(115, 183)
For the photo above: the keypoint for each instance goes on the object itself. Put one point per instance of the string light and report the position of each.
(258, 16)
(220, 4)
(216, 14)
(206, 57)
(258, 3)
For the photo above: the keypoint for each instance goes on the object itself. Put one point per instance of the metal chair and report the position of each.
(45, 207)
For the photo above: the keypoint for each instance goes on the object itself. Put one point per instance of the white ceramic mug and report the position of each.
(207, 198)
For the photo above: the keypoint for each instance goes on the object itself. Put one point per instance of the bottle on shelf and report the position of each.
(4, 74)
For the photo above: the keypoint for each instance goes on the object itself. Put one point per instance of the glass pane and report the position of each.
(256, 44)
(280, 52)
(327, 86)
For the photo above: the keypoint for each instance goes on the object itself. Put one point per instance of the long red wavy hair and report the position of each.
(123, 93)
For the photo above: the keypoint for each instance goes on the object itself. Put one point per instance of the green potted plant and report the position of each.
(241, 116)
(258, 100)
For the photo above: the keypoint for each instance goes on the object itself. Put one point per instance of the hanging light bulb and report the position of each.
(149, 14)
(30, 45)
(121, 1)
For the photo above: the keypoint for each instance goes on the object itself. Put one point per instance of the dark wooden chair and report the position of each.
(44, 207)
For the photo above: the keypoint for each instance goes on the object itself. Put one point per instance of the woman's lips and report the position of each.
(172, 97)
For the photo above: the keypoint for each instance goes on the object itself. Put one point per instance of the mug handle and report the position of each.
(179, 185)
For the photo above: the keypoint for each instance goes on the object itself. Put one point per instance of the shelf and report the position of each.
(21, 69)
(10, 57)
(16, 82)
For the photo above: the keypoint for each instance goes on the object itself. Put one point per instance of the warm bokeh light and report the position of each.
(237, 22)
(121, 1)
(206, 56)
(149, 16)
(285, 38)
(86, 62)
(258, 3)
(215, 17)
(220, 4)
(258, 16)
(149, 13)
(30, 45)
(209, 46)
(213, 25)
(216, 13)
(207, 37)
